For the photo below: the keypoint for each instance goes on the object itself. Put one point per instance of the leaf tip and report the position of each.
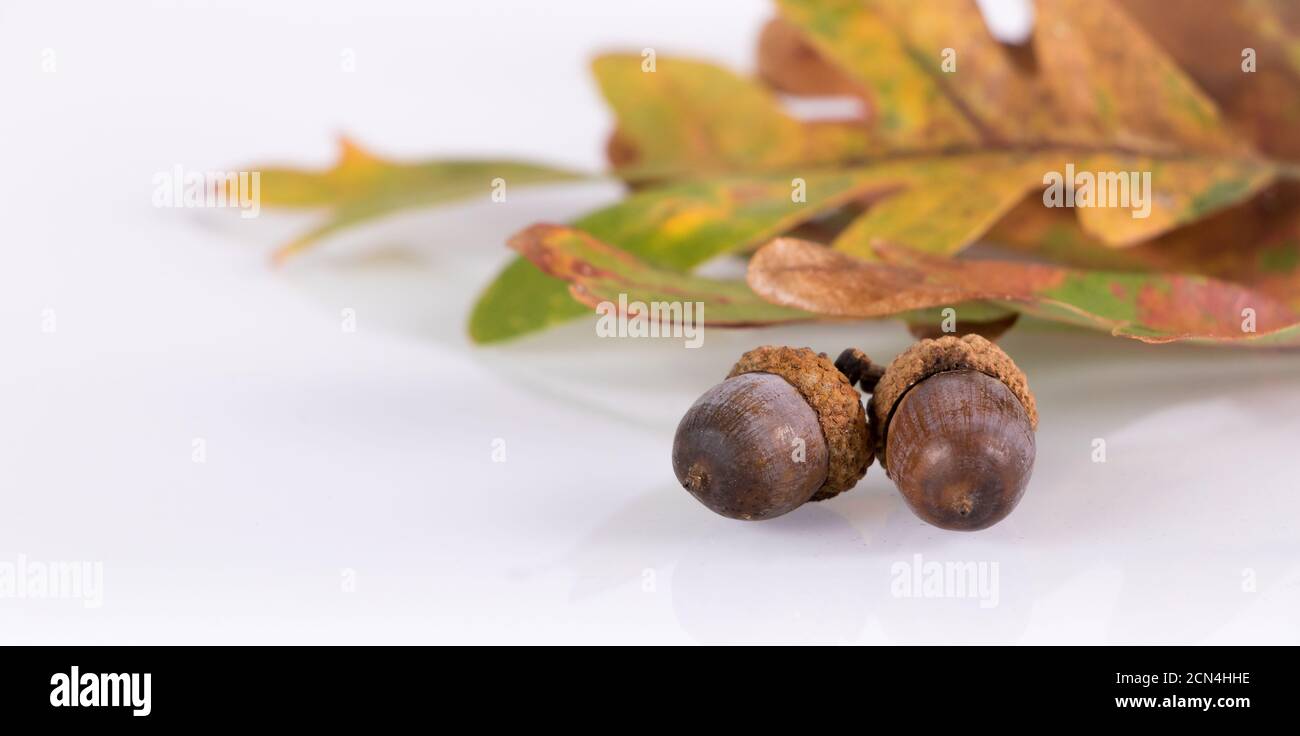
(352, 154)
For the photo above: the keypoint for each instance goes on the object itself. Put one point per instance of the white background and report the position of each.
(371, 451)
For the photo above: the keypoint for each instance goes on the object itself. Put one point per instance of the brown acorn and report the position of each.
(953, 423)
(784, 428)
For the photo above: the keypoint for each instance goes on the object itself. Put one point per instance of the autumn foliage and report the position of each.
(951, 139)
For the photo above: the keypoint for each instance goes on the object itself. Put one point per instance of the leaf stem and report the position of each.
(859, 369)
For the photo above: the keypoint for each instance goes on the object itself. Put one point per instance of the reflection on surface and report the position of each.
(1153, 544)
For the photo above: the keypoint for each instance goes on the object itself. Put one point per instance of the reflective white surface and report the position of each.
(335, 458)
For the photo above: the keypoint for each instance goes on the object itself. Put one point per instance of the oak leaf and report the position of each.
(951, 138)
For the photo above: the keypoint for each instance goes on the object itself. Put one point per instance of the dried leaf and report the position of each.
(956, 201)
(1180, 190)
(1212, 40)
(692, 117)
(946, 151)
(997, 91)
(1148, 307)
(1256, 244)
(598, 273)
(944, 204)
(677, 228)
(1102, 68)
(910, 110)
(787, 62)
(362, 186)
(1087, 103)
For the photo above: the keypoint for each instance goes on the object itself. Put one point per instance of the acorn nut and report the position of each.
(953, 423)
(784, 428)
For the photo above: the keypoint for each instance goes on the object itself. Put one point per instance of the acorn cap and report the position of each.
(837, 403)
(950, 353)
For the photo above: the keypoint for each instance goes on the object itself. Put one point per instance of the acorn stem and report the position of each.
(858, 368)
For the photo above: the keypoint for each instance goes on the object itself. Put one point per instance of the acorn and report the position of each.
(784, 428)
(953, 423)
